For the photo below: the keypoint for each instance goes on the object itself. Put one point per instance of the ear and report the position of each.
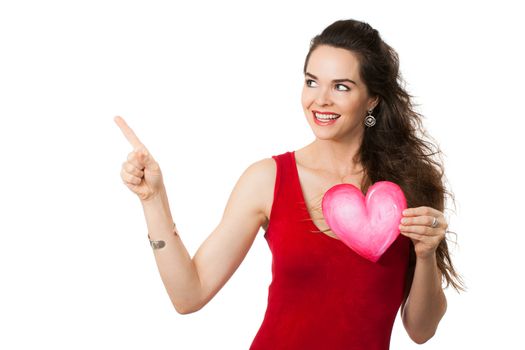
(373, 102)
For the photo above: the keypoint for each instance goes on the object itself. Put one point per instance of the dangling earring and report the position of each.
(370, 120)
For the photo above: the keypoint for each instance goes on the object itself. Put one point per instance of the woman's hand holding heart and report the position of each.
(417, 225)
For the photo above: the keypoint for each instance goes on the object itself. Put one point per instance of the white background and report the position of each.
(211, 87)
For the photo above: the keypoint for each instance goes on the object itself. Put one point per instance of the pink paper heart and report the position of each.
(367, 225)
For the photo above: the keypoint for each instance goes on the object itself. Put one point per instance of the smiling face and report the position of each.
(332, 85)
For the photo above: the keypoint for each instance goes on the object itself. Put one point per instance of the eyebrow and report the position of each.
(334, 81)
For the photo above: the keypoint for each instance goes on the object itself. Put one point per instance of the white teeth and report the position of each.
(326, 116)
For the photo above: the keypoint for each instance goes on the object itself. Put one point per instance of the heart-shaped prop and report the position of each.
(367, 225)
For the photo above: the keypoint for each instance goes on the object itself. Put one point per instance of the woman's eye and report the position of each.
(346, 88)
(307, 81)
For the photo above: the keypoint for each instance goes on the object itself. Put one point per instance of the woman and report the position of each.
(323, 295)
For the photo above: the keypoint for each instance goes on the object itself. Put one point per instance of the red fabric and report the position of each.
(323, 295)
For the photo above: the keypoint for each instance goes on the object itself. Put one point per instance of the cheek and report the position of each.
(303, 101)
(306, 98)
(350, 105)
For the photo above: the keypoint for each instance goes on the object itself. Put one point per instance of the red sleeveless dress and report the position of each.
(323, 295)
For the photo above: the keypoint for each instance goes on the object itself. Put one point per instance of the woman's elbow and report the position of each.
(422, 339)
(187, 309)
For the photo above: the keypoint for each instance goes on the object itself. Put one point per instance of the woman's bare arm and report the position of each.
(192, 282)
(222, 252)
(174, 263)
(426, 304)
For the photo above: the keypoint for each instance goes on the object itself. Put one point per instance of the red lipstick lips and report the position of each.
(324, 122)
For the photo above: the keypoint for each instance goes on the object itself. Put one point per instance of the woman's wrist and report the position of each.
(160, 223)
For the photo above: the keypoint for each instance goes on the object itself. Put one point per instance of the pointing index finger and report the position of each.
(128, 133)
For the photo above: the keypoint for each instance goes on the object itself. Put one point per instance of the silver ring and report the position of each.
(434, 223)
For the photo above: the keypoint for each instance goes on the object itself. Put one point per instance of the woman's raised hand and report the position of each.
(140, 172)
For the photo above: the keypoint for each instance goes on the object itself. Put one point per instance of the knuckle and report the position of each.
(134, 161)
(132, 169)
(133, 179)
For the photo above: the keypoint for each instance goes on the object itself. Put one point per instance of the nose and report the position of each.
(323, 97)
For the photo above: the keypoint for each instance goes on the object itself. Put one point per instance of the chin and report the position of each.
(323, 135)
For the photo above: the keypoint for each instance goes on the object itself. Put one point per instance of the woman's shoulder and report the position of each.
(262, 175)
(263, 168)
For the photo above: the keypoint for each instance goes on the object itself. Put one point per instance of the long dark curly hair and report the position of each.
(394, 149)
